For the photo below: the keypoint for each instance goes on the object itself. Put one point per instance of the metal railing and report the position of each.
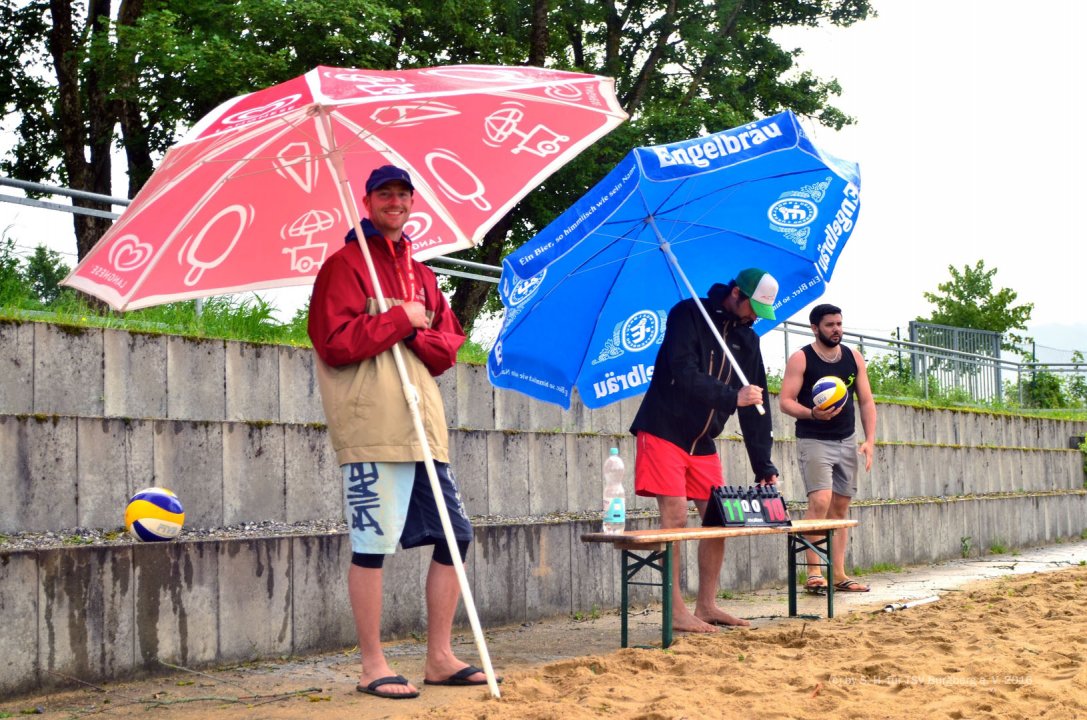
(981, 376)
(124, 202)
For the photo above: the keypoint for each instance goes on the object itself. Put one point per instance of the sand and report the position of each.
(1013, 647)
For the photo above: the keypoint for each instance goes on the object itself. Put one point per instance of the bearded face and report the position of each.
(829, 330)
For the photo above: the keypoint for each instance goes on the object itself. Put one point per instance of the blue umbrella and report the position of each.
(587, 298)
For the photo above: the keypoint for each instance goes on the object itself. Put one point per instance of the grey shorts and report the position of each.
(828, 465)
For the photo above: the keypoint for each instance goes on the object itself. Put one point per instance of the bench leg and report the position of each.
(666, 596)
(798, 544)
(631, 562)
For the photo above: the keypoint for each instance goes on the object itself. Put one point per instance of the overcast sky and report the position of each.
(971, 146)
(970, 140)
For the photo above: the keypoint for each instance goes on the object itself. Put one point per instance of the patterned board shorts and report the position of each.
(387, 503)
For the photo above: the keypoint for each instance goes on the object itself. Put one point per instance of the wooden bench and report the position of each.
(653, 549)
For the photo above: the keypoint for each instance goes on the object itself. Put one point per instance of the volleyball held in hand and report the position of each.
(829, 393)
(154, 514)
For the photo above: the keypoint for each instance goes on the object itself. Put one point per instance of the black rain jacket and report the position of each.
(694, 389)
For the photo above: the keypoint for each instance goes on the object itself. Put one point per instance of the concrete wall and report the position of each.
(96, 613)
(89, 416)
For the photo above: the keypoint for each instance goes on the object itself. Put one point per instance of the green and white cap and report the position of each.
(762, 288)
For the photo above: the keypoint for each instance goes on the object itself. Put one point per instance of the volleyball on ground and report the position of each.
(154, 514)
(829, 393)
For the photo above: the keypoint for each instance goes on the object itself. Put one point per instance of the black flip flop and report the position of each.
(374, 688)
(460, 678)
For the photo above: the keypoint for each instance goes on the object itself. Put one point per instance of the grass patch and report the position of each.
(877, 568)
(998, 548)
(593, 614)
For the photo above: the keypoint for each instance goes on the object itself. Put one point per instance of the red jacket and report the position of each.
(361, 389)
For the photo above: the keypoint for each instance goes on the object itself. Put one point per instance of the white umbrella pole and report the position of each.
(667, 250)
(411, 395)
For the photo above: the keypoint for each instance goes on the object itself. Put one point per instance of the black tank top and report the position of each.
(843, 424)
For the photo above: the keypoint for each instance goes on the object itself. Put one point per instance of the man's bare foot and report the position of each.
(689, 623)
(717, 616)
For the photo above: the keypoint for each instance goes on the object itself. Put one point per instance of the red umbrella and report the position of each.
(257, 194)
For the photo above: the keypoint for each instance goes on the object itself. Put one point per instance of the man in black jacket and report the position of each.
(693, 392)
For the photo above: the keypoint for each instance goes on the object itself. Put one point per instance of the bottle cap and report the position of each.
(614, 451)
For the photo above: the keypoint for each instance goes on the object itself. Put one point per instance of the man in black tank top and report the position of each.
(825, 445)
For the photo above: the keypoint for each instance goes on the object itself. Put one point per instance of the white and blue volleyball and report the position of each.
(154, 514)
(829, 393)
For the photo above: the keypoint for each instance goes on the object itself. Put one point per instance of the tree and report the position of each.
(969, 300)
(82, 79)
(141, 75)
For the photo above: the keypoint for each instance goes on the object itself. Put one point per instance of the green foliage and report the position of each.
(1044, 389)
(142, 77)
(890, 376)
(44, 271)
(969, 300)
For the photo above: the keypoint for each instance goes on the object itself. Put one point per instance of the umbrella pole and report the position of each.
(667, 250)
(411, 395)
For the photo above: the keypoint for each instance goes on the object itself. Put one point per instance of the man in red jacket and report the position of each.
(387, 494)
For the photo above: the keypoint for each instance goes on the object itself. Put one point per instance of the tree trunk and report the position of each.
(81, 126)
(537, 50)
(127, 110)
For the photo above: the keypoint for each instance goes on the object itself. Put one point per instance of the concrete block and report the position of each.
(507, 477)
(743, 560)
(975, 538)
(876, 536)
(472, 468)
(113, 459)
(500, 552)
(313, 479)
(595, 569)
(16, 367)
(85, 620)
(38, 474)
(585, 472)
(767, 561)
(299, 396)
(176, 595)
(195, 379)
(545, 417)
(404, 596)
(19, 667)
(252, 381)
(578, 419)
(447, 386)
(189, 461)
(548, 572)
(254, 486)
(321, 611)
(628, 409)
(68, 370)
(475, 398)
(135, 374)
(255, 591)
(512, 410)
(608, 420)
(547, 473)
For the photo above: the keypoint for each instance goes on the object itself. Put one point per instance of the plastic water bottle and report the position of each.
(615, 503)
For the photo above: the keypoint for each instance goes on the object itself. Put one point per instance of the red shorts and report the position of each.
(661, 468)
